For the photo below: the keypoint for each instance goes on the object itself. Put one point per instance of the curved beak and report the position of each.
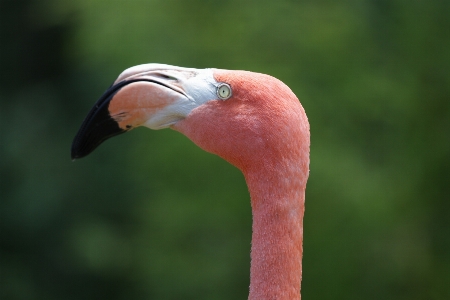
(152, 95)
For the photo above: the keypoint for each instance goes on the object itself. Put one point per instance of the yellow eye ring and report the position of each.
(224, 91)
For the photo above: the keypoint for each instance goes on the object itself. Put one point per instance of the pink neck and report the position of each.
(263, 130)
(277, 199)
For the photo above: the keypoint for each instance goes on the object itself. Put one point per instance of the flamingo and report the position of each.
(253, 121)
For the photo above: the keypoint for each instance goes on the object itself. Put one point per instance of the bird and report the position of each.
(252, 120)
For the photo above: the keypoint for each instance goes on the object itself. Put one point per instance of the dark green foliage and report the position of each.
(148, 215)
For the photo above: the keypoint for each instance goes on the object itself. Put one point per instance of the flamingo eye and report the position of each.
(224, 91)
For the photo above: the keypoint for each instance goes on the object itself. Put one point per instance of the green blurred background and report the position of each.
(148, 215)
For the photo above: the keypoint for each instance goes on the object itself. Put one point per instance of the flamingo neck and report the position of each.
(277, 198)
(262, 130)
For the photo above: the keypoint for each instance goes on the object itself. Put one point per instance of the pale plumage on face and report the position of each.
(152, 95)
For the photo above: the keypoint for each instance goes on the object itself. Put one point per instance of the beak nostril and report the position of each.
(165, 76)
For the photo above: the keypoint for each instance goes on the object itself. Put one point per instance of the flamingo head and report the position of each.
(233, 114)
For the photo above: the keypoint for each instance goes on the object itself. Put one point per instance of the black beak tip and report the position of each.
(96, 128)
(98, 125)
(81, 147)
(73, 156)
(76, 153)
(92, 134)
